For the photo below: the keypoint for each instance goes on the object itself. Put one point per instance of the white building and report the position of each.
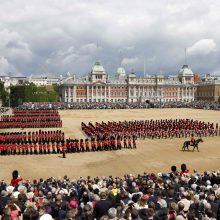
(211, 77)
(98, 87)
(43, 81)
(38, 81)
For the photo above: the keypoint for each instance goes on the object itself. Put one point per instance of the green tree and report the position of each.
(4, 96)
(31, 93)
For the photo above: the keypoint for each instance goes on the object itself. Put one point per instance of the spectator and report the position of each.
(102, 206)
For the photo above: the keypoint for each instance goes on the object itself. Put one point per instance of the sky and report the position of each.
(53, 37)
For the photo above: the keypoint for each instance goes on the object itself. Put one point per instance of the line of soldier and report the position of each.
(24, 118)
(68, 146)
(32, 124)
(34, 111)
(37, 136)
(152, 128)
(31, 119)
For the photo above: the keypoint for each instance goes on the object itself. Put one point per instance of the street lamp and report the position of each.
(9, 100)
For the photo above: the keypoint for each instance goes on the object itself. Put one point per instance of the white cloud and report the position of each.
(4, 65)
(202, 47)
(130, 61)
(89, 48)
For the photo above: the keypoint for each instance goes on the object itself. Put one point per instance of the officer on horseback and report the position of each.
(192, 141)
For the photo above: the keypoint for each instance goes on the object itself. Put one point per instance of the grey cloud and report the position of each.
(54, 36)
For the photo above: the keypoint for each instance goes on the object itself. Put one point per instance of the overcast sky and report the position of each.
(60, 36)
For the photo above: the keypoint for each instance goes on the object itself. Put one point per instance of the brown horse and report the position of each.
(186, 144)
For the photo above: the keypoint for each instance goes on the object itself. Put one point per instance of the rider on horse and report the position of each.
(192, 141)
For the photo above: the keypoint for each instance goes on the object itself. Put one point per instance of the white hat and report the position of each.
(159, 174)
(209, 187)
(46, 217)
(193, 186)
(21, 187)
(208, 182)
(10, 189)
(95, 186)
(15, 194)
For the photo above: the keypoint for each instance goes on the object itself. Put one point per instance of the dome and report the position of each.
(98, 68)
(121, 71)
(132, 74)
(185, 71)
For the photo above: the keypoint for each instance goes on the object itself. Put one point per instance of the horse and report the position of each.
(186, 144)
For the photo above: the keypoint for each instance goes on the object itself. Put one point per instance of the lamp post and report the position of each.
(9, 100)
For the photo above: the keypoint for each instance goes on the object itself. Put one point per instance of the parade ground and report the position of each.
(150, 156)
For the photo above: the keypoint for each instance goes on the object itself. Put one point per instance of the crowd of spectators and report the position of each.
(162, 196)
(87, 105)
(122, 105)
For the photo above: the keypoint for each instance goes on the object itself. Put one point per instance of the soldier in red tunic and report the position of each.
(1, 149)
(98, 144)
(58, 147)
(93, 145)
(118, 143)
(26, 148)
(77, 146)
(134, 141)
(53, 147)
(35, 147)
(31, 148)
(40, 148)
(129, 142)
(48, 147)
(64, 149)
(87, 145)
(82, 149)
(125, 142)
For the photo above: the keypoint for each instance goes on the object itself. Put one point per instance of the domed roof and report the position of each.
(132, 74)
(185, 71)
(121, 71)
(98, 68)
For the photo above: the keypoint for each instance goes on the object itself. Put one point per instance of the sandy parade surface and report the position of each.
(156, 155)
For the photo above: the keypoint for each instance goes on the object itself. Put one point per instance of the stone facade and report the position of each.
(98, 87)
(208, 91)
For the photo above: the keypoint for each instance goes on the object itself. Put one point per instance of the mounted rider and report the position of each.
(192, 141)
